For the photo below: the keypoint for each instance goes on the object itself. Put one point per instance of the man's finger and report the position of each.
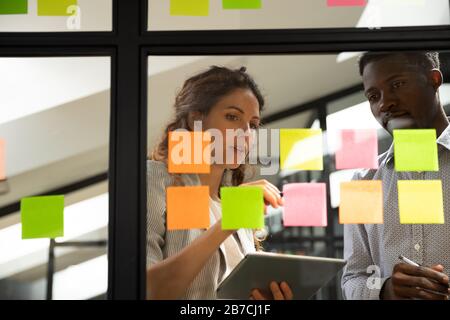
(405, 280)
(424, 272)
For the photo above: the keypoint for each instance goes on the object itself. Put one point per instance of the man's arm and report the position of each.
(361, 278)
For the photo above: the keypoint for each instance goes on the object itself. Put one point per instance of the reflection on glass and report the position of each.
(56, 129)
(294, 14)
(56, 16)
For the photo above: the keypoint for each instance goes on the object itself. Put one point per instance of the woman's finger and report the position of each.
(271, 193)
(271, 197)
(276, 291)
(257, 295)
(287, 292)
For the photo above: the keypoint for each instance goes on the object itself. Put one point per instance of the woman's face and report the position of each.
(239, 111)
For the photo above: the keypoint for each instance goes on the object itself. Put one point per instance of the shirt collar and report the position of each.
(443, 140)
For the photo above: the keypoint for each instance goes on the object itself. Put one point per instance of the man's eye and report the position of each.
(372, 98)
(398, 84)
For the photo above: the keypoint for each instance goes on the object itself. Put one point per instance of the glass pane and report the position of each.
(288, 14)
(55, 130)
(299, 93)
(55, 16)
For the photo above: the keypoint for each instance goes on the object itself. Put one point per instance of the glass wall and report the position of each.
(295, 14)
(54, 125)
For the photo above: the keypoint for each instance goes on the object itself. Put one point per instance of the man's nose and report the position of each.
(387, 103)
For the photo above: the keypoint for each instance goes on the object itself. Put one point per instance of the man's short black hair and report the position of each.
(426, 59)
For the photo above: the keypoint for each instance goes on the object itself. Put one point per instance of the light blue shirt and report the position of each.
(372, 250)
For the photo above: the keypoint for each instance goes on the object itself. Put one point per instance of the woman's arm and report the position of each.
(170, 278)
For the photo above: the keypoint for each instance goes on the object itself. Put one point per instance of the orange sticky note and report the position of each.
(361, 202)
(187, 208)
(189, 152)
(2, 160)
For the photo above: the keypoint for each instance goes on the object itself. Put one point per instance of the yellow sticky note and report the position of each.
(420, 202)
(189, 7)
(301, 149)
(55, 7)
(361, 202)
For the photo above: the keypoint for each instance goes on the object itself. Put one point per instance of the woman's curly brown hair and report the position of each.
(199, 94)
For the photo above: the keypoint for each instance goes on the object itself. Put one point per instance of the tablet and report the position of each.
(305, 275)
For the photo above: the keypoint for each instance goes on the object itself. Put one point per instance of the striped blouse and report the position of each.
(163, 243)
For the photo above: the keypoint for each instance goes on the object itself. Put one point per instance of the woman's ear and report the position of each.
(192, 117)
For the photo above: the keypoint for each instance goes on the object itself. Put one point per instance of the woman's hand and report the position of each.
(272, 195)
(277, 292)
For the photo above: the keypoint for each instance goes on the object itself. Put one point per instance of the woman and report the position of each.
(189, 264)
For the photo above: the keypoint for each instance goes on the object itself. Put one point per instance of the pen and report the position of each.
(412, 263)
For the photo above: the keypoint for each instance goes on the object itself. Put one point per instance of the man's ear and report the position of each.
(192, 117)
(436, 78)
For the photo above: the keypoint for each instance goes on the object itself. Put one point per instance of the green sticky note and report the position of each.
(242, 207)
(42, 217)
(13, 6)
(242, 4)
(55, 7)
(415, 150)
(189, 7)
(301, 149)
(420, 202)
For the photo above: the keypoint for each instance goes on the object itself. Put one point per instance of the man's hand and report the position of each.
(410, 282)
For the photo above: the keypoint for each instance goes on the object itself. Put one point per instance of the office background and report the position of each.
(82, 107)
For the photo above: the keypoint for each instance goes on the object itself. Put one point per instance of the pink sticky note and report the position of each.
(305, 204)
(346, 3)
(357, 149)
(2, 160)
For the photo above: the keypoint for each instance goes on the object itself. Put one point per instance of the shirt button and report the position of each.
(417, 247)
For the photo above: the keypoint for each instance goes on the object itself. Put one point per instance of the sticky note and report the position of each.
(187, 207)
(242, 207)
(13, 6)
(346, 3)
(55, 7)
(241, 4)
(189, 7)
(189, 152)
(357, 148)
(301, 149)
(415, 150)
(42, 217)
(2, 160)
(361, 202)
(420, 202)
(305, 205)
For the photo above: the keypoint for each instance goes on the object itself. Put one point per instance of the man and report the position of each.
(402, 89)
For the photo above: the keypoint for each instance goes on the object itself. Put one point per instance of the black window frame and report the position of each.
(128, 45)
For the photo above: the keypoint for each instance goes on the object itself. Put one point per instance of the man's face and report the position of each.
(401, 95)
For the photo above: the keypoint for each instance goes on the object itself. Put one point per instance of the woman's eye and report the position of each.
(231, 117)
(254, 126)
